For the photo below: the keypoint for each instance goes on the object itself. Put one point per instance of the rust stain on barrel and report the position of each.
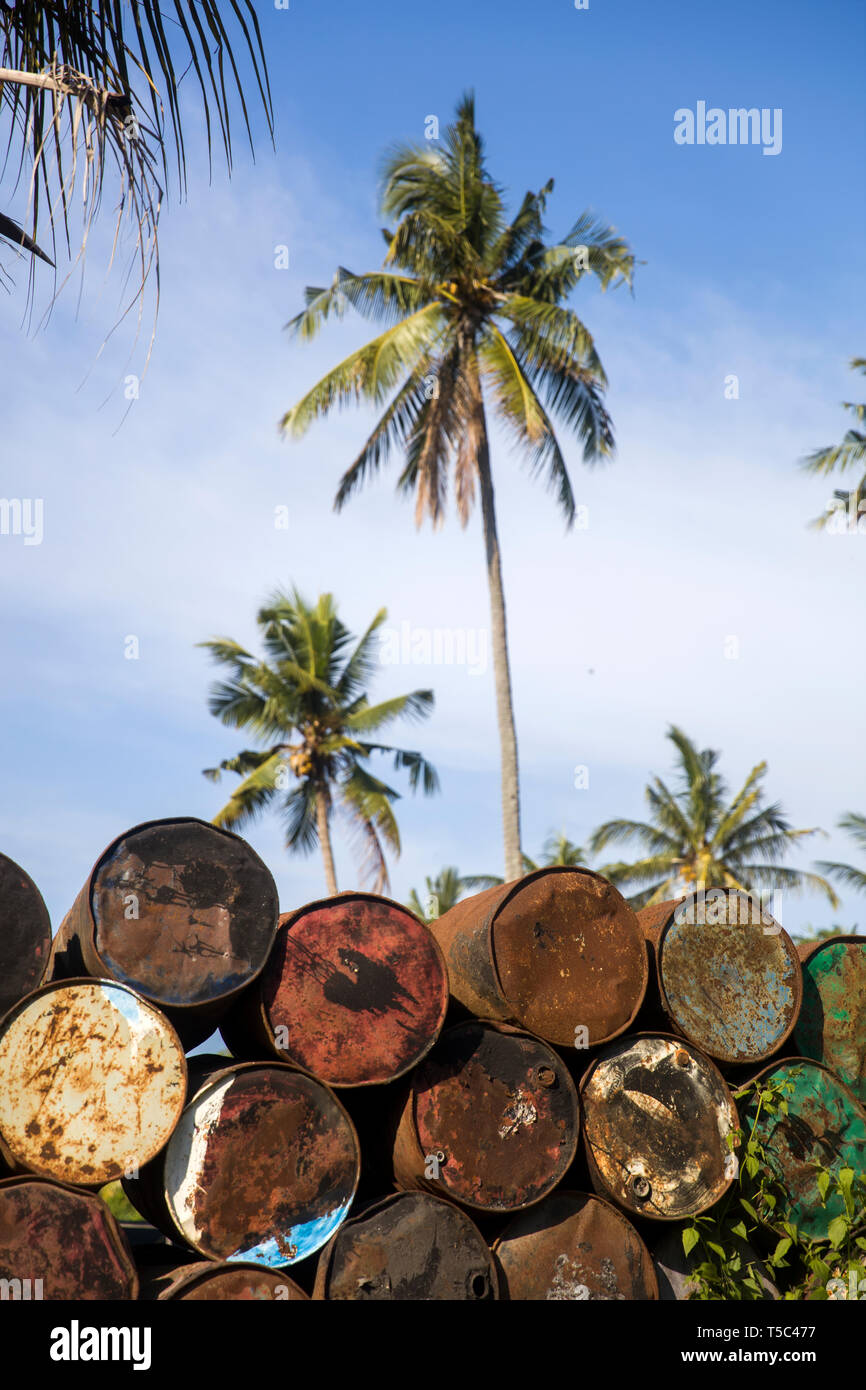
(66, 1240)
(262, 1167)
(729, 976)
(824, 1127)
(483, 1108)
(552, 952)
(574, 1246)
(25, 934)
(355, 990)
(178, 909)
(409, 1246)
(656, 1116)
(831, 1027)
(92, 1081)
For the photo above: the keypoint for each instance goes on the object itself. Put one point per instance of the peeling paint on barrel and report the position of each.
(825, 1126)
(408, 1246)
(831, 1027)
(66, 1239)
(729, 975)
(92, 1081)
(656, 1118)
(573, 1246)
(553, 951)
(355, 991)
(262, 1166)
(491, 1119)
(180, 910)
(25, 934)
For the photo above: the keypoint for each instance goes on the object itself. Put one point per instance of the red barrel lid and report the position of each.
(355, 989)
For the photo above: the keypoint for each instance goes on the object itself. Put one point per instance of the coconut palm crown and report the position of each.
(307, 703)
(847, 874)
(445, 890)
(696, 838)
(475, 321)
(836, 458)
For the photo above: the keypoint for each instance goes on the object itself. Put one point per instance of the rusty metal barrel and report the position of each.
(831, 1027)
(25, 934)
(408, 1246)
(262, 1166)
(57, 1242)
(574, 1246)
(355, 991)
(825, 1127)
(179, 910)
(92, 1081)
(491, 1119)
(656, 1115)
(554, 952)
(728, 975)
(215, 1281)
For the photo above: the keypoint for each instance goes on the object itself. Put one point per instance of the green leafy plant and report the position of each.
(724, 1243)
(729, 1268)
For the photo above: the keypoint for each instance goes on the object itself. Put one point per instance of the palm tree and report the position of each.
(80, 83)
(855, 825)
(307, 702)
(475, 319)
(696, 839)
(446, 889)
(851, 453)
(558, 849)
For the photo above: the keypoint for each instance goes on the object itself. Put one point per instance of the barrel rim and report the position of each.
(750, 1081)
(657, 943)
(87, 893)
(727, 1091)
(287, 920)
(220, 1074)
(113, 1226)
(510, 890)
(606, 1202)
(41, 903)
(90, 980)
(206, 1270)
(373, 1207)
(562, 1073)
(676, 1038)
(812, 948)
(852, 1097)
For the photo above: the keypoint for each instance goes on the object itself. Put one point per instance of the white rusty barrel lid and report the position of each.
(92, 1081)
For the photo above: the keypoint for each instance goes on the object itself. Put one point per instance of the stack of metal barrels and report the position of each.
(525, 1099)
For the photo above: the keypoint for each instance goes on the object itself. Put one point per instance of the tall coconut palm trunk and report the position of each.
(499, 644)
(324, 829)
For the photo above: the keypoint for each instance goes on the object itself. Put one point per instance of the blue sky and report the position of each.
(163, 528)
